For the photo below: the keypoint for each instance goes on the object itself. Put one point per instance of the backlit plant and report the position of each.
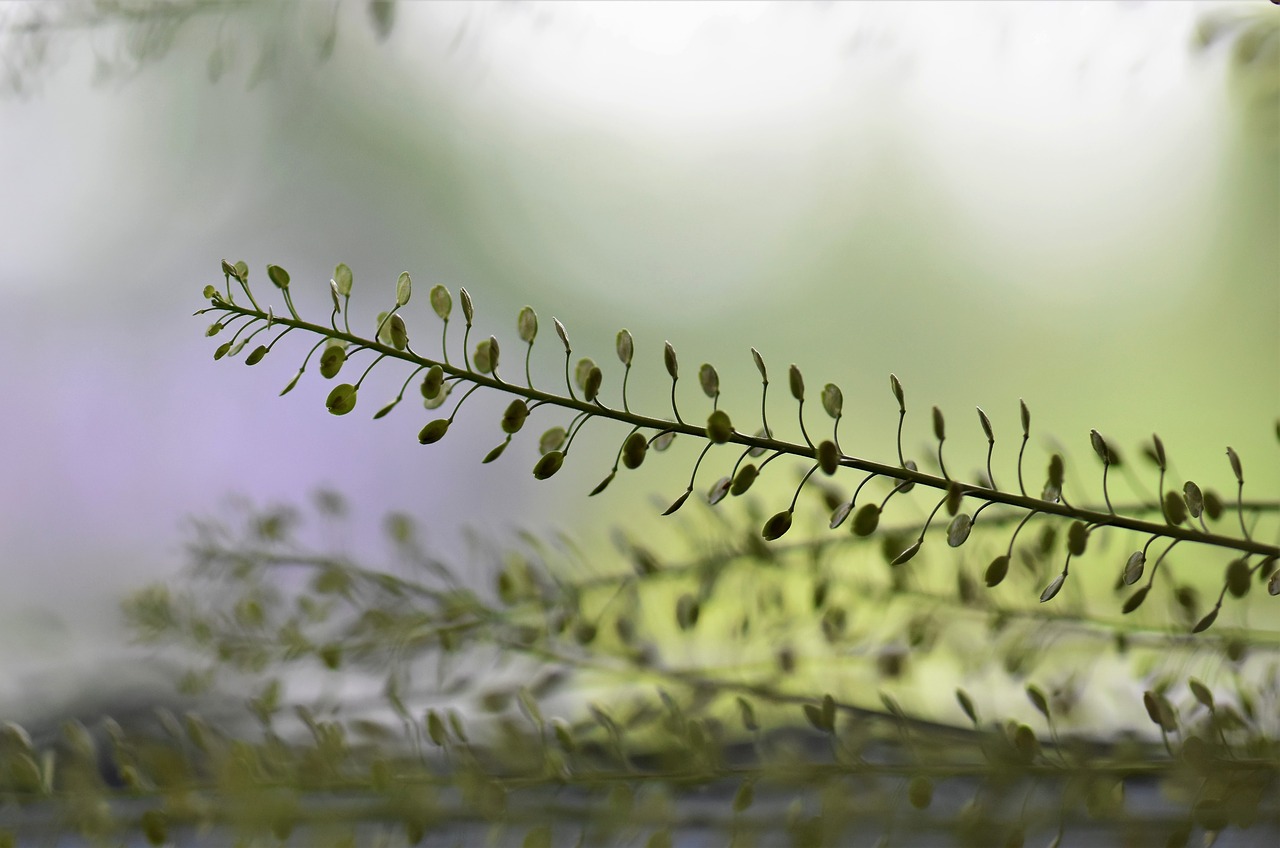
(841, 687)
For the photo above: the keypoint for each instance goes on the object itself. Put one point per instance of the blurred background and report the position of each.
(1072, 203)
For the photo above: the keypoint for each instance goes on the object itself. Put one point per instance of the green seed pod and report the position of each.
(1212, 505)
(1100, 446)
(777, 526)
(549, 464)
(434, 431)
(1135, 600)
(669, 359)
(718, 491)
(954, 497)
(438, 401)
(1194, 499)
(634, 450)
(759, 360)
(468, 311)
(907, 554)
(342, 279)
(997, 570)
(1174, 508)
(482, 359)
(833, 400)
(896, 385)
(581, 371)
(342, 399)
(552, 439)
(211, 293)
(719, 428)
(214, 329)
(1133, 567)
(709, 380)
(333, 295)
(1077, 538)
(866, 519)
(591, 386)
(625, 346)
(958, 530)
(431, 383)
(840, 513)
(514, 417)
(939, 425)
(679, 502)
(797, 383)
(404, 288)
(663, 441)
(920, 792)
(384, 328)
(255, 356)
(1026, 418)
(828, 457)
(229, 270)
(527, 325)
(495, 453)
(398, 332)
(441, 301)
(1234, 458)
(1051, 591)
(1238, 575)
(331, 361)
(563, 334)
(743, 479)
(986, 425)
(221, 351)
(278, 276)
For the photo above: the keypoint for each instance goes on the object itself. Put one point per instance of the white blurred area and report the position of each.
(1070, 202)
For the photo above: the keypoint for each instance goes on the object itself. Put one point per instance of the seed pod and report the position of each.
(441, 301)
(495, 453)
(1077, 537)
(896, 385)
(1133, 567)
(709, 380)
(434, 431)
(342, 399)
(759, 360)
(718, 491)
(1212, 505)
(663, 441)
(342, 279)
(430, 384)
(1026, 418)
(278, 276)
(1238, 578)
(552, 440)
(1194, 499)
(1099, 446)
(255, 356)
(1235, 465)
(669, 359)
(777, 526)
(906, 555)
(581, 370)
(221, 351)
(625, 346)
(1135, 600)
(743, 479)
(986, 425)
(514, 417)
(485, 359)
(398, 332)
(828, 457)
(958, 530)
(997, 570)
(634, 450)
(468, 311)
(1160, 711)
(939, 425)
(404, 288)
(563, 334)
(549, 464)
(866, 519)
(1174, 508)
(719, 428)
(1051, 591)
(527, 325)
(591, 386)
(797, 383)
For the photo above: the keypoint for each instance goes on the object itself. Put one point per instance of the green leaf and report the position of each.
(342, 279)
(404, 288)
(278, 276)
(342, 399)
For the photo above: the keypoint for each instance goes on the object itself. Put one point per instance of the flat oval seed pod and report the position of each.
(342, 399)
(759, 360)
(1051, 591)
(1077, 538)
(777, 526)
(549, 464)
(939, 425)
(1174, 508)
(1234, 458)
(342, 279)
(958, 530)
(709, 380)
(669, 359)
(1135, 600)
(1026, 417)
(743, 479)
(1133, 567)
(828, 457)
(996, 571)
(398, 332)
(441, 301)
(331, 361)
(840, 513)
(482, 359)
(278, 276)
(625, 346)
(896, 385)
(1238, 575)
(221, 351)
(431, 383)
(404, 288)
(833, 400)
(906, 555)
(679, 502)
(986, 425)
(468, 311)
(602, 485)
(756, 452)
(255, 356)
(514, 417)
(552, 440)
(866, 519)
(527, 324)
(495, 453)
(719, 428)
(718, 491)
(797, 382)
(563, 334)
(438, 401)
(664, 441)
(581, 371)
(634, 450)
(1194, 499)
(1099, 446)
(434, 431)
(591, 386)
